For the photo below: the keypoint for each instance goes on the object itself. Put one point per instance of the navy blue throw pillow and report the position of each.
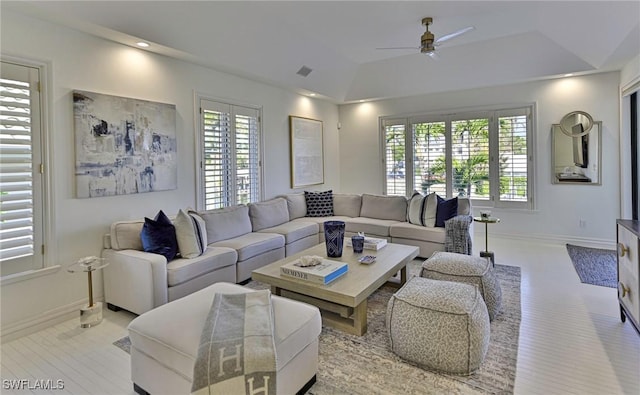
(447, 209)
(159, 236)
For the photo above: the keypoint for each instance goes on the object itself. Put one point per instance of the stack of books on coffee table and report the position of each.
(370, 243)
(324, 273)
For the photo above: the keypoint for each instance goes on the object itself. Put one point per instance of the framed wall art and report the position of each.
(307, 158)
(123, 145)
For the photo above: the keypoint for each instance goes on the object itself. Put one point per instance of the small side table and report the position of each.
(486, 221)
(90, 315)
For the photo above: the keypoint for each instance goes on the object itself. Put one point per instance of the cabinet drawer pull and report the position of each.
(625, 290)
(622, 250)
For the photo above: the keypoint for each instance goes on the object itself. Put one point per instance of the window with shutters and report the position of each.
(22, 185)
(481, 155)
(229, 160)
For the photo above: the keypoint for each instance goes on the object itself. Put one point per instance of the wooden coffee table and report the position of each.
(343, 302)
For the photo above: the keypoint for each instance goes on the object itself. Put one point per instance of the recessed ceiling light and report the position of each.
(312, 94)
(142, 44)
(569, 75)
(361, 101)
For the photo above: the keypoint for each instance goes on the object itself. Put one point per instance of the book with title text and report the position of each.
(323, 273)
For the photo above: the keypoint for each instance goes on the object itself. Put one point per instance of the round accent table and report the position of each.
(486, 221)
(90, 315)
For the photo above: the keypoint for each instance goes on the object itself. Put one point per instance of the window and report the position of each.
(21, 166)
(230, 154)
(482, 155)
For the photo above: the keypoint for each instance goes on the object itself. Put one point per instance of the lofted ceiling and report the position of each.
(269, 41)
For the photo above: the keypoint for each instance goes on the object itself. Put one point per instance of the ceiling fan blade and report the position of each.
(399, 48)
(453, 35)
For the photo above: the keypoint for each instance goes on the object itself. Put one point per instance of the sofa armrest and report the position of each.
(135, 280)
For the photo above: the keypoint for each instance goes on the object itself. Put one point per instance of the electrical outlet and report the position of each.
(583, 223)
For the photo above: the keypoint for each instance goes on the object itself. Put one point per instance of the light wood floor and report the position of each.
(571, 337)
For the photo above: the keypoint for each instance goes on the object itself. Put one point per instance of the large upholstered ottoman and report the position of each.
(478, 271)
(440, 325)
(164, 342)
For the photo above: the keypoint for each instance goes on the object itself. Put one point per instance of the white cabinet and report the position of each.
(628, 240)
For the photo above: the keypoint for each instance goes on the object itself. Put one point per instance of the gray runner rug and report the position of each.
(351, 364)
(594, 265)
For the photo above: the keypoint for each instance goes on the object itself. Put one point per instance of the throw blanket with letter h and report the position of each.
(237, 350)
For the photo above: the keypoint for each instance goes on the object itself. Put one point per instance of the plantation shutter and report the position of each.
(216, 154)
(230, 154)
(429, 157)
(20, 177)
(513, 155)
(394, 156)
(470, 158)
(247, 159)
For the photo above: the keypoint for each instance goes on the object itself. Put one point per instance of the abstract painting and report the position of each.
(123, 145)
(307, 158)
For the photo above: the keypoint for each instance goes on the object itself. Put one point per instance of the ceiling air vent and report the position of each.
(304, 71)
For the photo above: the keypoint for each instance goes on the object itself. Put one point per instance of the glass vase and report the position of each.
(334, 238)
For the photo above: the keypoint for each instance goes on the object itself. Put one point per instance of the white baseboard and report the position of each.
(558, 240)
(42, 321)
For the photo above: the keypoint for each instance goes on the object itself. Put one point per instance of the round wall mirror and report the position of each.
(576, 124)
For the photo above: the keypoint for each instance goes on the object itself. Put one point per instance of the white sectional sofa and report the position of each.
(245, 237)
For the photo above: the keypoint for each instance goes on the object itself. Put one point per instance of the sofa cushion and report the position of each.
(373, 226)
(125, 235)
(347, 205)
(294, 230)
(297, 205)
(384, 207)
(213, 258)
(226, 223)
(447, 209)
(406, 230)
(296, 325)
(191, 233)
(319, 204)
(464, 206)
(252, 244)
(422, 210)
(158, 236)
(268, 214)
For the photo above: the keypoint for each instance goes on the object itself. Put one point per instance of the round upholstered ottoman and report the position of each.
(440, 325)
(462, 268)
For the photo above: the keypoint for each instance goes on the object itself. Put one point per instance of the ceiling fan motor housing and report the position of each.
(426, 41)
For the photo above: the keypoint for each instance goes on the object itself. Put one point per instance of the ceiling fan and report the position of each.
(428, 44)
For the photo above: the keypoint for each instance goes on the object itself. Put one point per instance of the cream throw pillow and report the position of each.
(422, 209)
(191, 234)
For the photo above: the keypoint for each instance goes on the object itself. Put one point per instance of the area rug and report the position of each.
(594, 265)
(351, 364)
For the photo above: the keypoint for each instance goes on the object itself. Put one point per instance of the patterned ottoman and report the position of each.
(440, 325)
(462, 268)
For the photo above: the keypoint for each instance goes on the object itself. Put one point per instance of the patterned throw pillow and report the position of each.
(158, 235)
(319, 204)
(422, 209)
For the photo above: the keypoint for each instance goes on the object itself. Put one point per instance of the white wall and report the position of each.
(80, 61)
(559, 208)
